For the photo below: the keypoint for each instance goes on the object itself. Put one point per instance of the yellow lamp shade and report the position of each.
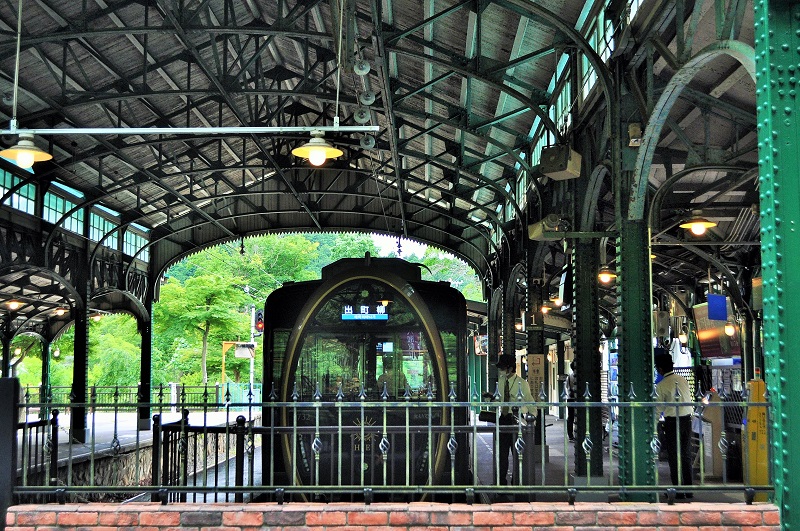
(697, 225)
(24, 153)
(317, 150)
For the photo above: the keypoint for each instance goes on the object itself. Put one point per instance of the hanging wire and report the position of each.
(338, 62)
(16, 68)
(374, 170)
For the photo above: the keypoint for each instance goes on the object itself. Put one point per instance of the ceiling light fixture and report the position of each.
(231, 130)
(14, 305)
(606, 275)
(24, 153)
(697, 225)
(729, 329)
(26, 135)
(384, 302)
(317, 150)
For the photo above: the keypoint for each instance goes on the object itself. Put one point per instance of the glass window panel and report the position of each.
(23, 199)
(99, 227)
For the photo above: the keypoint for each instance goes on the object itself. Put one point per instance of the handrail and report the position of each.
(214, 449)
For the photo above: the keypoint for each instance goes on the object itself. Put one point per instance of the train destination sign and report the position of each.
(363, 313)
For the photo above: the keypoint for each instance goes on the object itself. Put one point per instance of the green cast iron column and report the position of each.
(635, 356)
(587, 357)
(777, 49)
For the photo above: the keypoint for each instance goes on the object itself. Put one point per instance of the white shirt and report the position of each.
(515, 384)
(666, 393)
(680, 354)
(572, 386)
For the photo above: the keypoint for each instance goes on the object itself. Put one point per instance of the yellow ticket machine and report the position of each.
(754, 433)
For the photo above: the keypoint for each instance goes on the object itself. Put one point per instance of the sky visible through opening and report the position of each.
(388, 245)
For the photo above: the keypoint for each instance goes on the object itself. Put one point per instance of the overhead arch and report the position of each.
(658, 118)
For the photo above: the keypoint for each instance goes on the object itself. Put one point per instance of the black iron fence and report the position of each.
(217, 450)
(169, 394)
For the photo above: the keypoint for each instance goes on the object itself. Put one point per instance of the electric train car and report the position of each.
(354, 358)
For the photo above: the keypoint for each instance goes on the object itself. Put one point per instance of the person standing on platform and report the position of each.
(510, 385)
(677, 421)
(572, 397)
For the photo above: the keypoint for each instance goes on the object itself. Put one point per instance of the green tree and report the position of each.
(202, 304)
(114, 351)
(334, 246)
(442, 266)
(270, 261)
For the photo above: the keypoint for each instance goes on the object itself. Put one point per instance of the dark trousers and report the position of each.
(571, 418)
(674, 426)
(505, 444)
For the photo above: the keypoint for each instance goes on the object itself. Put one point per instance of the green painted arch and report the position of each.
(740, 51)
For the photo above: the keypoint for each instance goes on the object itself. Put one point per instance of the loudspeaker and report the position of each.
(361, 115)
(546, 229)
(367, 97)
(560, 163)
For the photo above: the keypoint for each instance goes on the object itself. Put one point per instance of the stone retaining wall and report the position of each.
(419, 516)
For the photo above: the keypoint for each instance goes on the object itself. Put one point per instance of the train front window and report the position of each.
(364, 338)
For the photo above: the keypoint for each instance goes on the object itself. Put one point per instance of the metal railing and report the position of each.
(170, 394)
(400, 450)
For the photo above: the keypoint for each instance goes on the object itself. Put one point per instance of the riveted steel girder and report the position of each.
(587, 356)
(636, 354)
(777, 40)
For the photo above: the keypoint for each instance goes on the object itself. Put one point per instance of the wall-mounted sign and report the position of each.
(711, 334)
(364, 313)
(536, 371)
